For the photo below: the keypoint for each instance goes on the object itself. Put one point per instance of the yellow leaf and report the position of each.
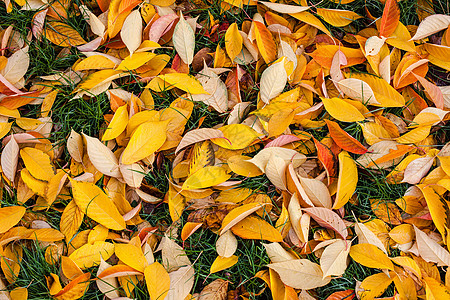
(375, 285)
(135, 61)
(53, 284)
(436, 290)
(62, 34)
(98, 78)
(337, 17)
(280, 121)
(206, 177)
(239, 165)
(71, 220)
(132, 256)
(256, 229)
(158, 281)
(384, 93)
(408, 264)
(98, 233)
(48, 103)
(176, 203)
(402, 234)
(10, 216)
(233, 41)
(89, 255)
(182, 81)
(401, 39)
(96, 205)
(45, 235)
(310, 19)
(75, 289)
(54, 186)
(188, 229)
(265, 42)
(38, 163)
(69, 268)
(222, 263)
(370, 256)
(116, 19)
(238, 214)
(342, 110)
(20, 293)
(203, 156)
(347, 181)
(414, 136)
(141, 118)
(28, 123)
(146, 139)
(236, 136)
(36, 185)
(117, 124)
(94, 62)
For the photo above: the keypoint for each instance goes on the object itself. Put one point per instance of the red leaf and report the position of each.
(344, 140)
(326, 157)
(390, 18)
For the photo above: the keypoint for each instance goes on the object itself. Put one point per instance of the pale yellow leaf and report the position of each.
(226, 244)
(102, 157)
(310, 273)
(183, 39)
(131, 32)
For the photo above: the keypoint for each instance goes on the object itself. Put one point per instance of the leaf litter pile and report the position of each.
(225, 150)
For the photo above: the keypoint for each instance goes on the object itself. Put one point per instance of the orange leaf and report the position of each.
(393, 154)
(75, 289)
(347, 294)
(16, 101)
(344, 140)
(118, 271)
(265, 42)
(128, 5)
(390, 18)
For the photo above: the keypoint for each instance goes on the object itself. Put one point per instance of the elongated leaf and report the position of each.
(184, 40)
(390, 18)
(131, 32)
(344, 140)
